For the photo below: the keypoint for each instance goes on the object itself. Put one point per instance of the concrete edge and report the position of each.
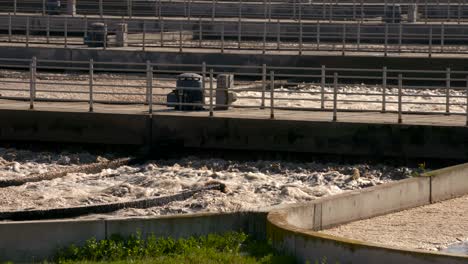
(278, 220)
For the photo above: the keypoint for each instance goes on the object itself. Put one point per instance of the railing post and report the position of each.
(425, 11)
(144, 36)
(159, 10)
(300, 36)
(130, 8)
(430, 41)
(272, 94)
(264, 37)
(91, 85)
(324, 12)
(318, 35)
(43, 7)
(101, 10)
(466, 91)
(400, 36)
(48, 29)
(459, 12)
(27, 31)
(278, 34)
(9, 27)
(180, 36)
(32, 82)
(213, 10)
(239, 34)
(343, 47)
(65, 22)
(448, 10)
(203, 75)
(358, 35)
(362, 10)
(240, 9)
(354, 9)
(384, 89)
(14, 6)
(322, 87)
(222, 37)
(294, 10)
(264, 80)
(447, 91)
(335, 96)
(386, 40)
(400, 95)
(149, 86)
(211, 92)
(269, 10)
(162, 32)
(150, 103)
(200, 32)
(148, 65)
(442, 37)
(189, 10)
(104, 30)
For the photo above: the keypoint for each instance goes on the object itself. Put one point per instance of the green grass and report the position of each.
(232, 247)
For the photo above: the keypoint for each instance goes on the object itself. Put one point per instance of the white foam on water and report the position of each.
(250, 185)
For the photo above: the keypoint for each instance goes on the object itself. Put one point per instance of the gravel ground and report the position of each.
(432, 227)
(250, 185)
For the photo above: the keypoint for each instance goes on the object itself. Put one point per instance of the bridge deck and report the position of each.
(456, 120)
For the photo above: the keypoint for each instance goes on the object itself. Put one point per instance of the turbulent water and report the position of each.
(250, 185)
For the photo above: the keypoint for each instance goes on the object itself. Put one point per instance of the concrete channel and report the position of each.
(290, 228)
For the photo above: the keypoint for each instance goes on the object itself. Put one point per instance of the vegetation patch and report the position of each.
(232, 247)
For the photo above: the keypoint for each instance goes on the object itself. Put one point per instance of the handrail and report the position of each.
(295, 36)
(259, 87)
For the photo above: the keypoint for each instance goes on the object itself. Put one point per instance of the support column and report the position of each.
(121, 35)
(223, 97)
(413, 13)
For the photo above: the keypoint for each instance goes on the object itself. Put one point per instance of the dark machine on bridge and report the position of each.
(189, 93)
(393, 14)
(53, 7)
(97, 35)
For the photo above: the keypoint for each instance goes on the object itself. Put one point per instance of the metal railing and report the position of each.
(298, 37)
(450, 10)
(265, 89)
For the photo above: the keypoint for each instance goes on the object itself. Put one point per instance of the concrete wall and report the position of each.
(74, 127)
(291, 228)
(381, 200)
(26, 242)
(179, 132)
(378, 140)
(454, 182)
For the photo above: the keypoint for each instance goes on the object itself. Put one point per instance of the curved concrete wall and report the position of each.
(291, 229)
